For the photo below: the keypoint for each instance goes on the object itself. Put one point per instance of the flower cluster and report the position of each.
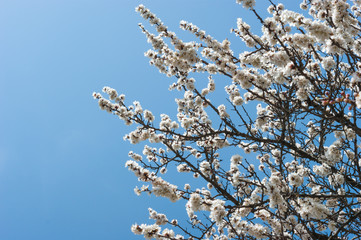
(280, 159)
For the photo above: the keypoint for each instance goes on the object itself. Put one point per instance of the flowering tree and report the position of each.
(295, 172)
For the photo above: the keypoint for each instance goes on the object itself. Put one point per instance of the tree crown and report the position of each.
(291, 124)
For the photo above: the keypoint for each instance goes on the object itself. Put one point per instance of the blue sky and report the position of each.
(62, 172)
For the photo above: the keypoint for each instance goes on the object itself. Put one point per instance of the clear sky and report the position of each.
(62, 159)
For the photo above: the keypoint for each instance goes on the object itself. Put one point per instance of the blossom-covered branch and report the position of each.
(295, 169)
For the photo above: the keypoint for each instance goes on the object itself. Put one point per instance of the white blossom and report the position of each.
(280, 157)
